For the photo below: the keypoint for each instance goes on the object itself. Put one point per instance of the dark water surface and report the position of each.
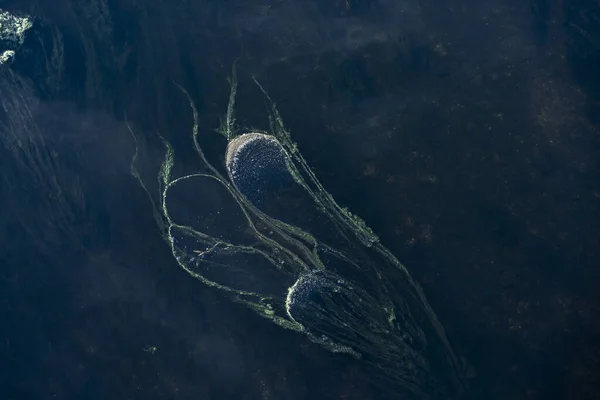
(465, 133)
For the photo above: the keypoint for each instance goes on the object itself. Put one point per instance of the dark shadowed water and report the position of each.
(465, 133)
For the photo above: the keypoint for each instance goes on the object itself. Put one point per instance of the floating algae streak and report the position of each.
(272, 237)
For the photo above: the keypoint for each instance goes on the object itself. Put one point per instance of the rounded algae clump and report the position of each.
(257, 166)
(13, 30)
(326, 304)
(282, 246)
